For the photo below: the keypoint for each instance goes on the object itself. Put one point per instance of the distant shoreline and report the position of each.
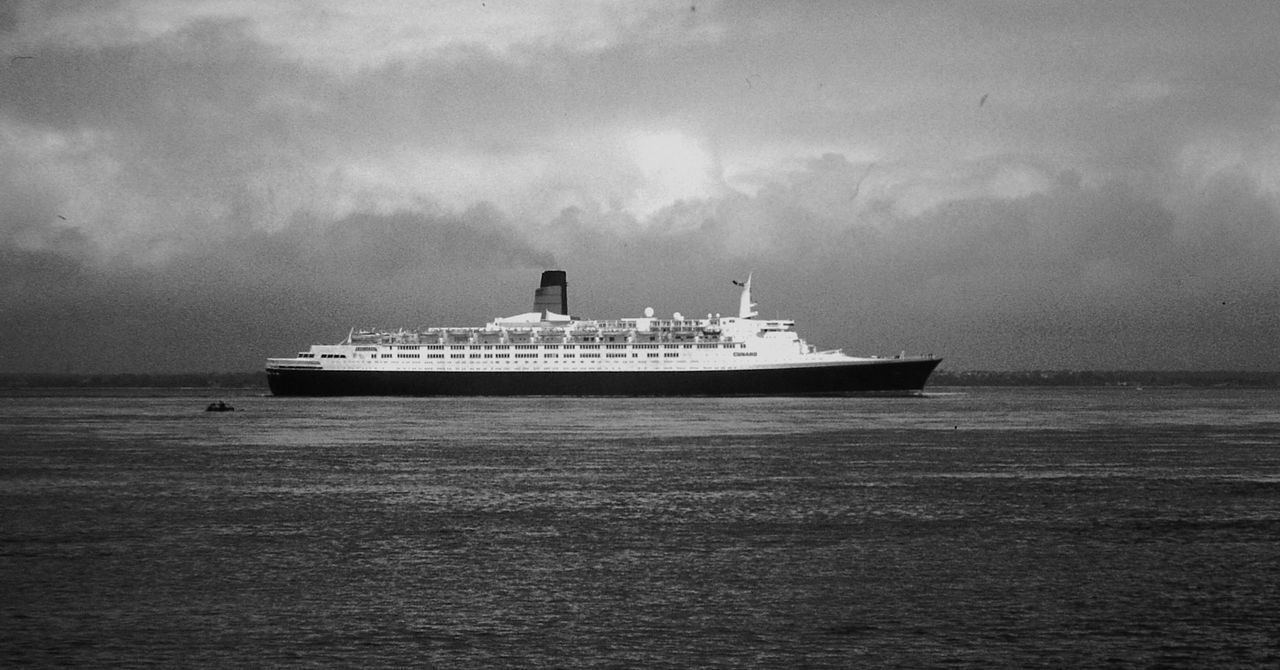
(212, 380)
(1117, 378)
(1121, 378)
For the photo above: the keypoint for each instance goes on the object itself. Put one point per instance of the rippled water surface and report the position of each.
(971, 527)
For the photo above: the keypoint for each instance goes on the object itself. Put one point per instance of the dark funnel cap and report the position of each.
(554, 278)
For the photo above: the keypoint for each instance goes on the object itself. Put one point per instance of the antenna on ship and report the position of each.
(745, 306)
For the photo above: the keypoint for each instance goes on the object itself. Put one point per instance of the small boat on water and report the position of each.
(219, 406)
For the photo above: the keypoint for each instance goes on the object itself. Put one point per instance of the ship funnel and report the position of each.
(553, 295)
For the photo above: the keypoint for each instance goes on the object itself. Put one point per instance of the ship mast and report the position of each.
(745, 306)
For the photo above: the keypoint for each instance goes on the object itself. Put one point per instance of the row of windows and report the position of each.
(521, 355)
(504, 347)
(415, 347)
(526, 356)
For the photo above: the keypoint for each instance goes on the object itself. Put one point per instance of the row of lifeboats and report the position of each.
(526, 336)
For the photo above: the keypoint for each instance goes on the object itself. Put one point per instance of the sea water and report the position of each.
(972, 527)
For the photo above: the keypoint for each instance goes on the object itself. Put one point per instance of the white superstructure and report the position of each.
(546, 341)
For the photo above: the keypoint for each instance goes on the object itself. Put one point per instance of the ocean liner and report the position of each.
(548, 352)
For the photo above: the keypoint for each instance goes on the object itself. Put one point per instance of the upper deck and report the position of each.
(548, 341)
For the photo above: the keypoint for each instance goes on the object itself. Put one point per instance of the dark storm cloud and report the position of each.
(279, 288)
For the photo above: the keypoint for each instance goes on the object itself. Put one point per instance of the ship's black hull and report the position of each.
(888, 376)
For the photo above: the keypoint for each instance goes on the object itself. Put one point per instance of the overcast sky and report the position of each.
(189, 186)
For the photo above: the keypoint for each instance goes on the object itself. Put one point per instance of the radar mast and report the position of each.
(745, 306)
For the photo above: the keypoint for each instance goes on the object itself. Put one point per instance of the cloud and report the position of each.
(237, 180)
(1023, 282)
(1103, 276)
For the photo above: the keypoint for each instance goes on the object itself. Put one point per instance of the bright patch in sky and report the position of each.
(673, 167)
